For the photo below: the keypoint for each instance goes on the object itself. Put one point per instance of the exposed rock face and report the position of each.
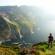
(4, 28)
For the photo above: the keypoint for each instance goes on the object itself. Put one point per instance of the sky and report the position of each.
(46, 5)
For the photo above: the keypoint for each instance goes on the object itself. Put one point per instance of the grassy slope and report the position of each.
(9, 50)
(40, 49)
(6, 51)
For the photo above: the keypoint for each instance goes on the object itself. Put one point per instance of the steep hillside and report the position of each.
(26, 22)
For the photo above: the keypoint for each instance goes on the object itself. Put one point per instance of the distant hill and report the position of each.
(26, 19)
(15, 12)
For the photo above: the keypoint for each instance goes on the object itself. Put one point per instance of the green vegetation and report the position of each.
(9, 50)
(40, 49)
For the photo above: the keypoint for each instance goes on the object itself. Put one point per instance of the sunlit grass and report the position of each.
(40, 49)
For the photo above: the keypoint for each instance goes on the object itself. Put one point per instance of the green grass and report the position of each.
(9, 50)
(40, 49)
